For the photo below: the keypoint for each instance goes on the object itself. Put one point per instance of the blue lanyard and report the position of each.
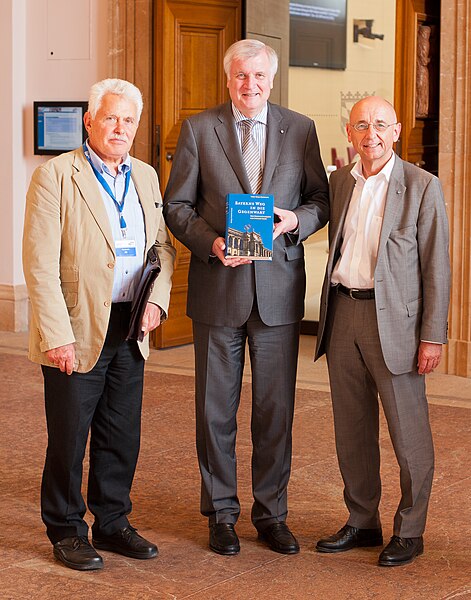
(109, 191)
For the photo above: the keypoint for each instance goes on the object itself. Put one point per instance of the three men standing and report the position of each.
(91, 217)
(232, 301)
(382, 324)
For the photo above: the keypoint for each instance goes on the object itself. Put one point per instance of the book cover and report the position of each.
(249, 226)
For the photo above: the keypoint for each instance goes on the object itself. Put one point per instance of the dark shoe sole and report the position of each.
(366, 544)
(263, 539)
(387, 563)
(117, 550)
(78, 567)
(225, 551)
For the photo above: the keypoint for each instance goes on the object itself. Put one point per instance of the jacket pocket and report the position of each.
(294, 252)
(414, 307)
(69, 285)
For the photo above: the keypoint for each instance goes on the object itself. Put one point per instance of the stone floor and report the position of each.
(166, 503)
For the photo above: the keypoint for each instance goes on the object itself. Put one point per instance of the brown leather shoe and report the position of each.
(401, 551)
(350, 537)
(223, 539)
(127, 542)
(76, 553)
(279, 538)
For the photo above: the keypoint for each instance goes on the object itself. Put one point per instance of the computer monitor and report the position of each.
(318, 34)
(58, 126)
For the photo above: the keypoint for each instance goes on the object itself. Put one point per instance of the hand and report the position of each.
(63, 357)
(151, 318)
(429, 357)
(218, 247)
(288, 222)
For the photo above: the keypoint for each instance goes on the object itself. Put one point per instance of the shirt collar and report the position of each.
(261, 117)
(357, 171)
(101, 167)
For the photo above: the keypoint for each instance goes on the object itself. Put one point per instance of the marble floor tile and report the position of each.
(166, 499)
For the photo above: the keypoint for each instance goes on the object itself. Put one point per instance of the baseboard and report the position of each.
(14, 308)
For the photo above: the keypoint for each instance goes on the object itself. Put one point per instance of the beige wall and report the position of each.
(370, 69)
(76, 32)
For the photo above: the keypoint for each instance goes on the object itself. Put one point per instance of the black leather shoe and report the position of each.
(279, 538)
(76, 553)
(350, 537)
(127, 542)
(401, 551)
(223, 539)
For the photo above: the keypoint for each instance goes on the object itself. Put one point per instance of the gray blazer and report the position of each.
(208, 165)
(412, 275)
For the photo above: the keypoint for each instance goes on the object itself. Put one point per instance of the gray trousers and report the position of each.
(219, 357)
(357, 374)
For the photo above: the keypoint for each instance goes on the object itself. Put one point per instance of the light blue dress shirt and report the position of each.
(128, 269)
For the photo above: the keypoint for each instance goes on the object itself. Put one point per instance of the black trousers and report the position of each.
(105, 402)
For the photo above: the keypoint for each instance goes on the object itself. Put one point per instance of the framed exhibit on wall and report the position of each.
(318, 34)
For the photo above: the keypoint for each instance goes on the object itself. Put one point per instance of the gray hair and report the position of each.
(114, 86)
(248, 49)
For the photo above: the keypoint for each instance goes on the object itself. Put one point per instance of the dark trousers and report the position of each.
(106, 402)
(220, 356)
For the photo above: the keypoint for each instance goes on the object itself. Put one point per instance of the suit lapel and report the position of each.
(88, 186)
(146, 199)
(276, 134)
(227, 136)
(343, 195)
(394, 200)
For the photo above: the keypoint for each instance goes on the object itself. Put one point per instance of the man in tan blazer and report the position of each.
(383, 321)
(91, 217)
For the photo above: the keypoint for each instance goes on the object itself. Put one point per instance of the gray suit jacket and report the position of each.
(412, 275)
(207, 166)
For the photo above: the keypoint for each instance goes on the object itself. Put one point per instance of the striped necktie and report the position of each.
(251, 156)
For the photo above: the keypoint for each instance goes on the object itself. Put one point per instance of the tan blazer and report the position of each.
(69, 256)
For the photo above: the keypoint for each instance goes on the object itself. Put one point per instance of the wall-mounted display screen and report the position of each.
(58, 126)
(318, 34)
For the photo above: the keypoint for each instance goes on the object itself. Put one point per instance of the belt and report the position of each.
(354, 293)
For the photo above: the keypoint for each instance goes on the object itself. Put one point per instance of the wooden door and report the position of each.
(416, 82)
(191, 39)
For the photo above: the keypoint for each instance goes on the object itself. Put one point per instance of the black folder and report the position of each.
(141, 296)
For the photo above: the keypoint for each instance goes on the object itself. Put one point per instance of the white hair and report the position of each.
(120, 87)
(248, 49)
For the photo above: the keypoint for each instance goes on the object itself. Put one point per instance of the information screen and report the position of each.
(58, 126)
(318, 34)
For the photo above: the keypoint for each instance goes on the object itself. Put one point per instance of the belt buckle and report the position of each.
(351, 292)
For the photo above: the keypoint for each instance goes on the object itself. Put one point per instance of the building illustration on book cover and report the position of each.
(249, 226)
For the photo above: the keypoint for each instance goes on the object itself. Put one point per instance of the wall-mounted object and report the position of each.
(58, 126)
(364, 27)
(318, 34)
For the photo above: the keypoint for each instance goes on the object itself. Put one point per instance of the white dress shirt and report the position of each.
(362, 229)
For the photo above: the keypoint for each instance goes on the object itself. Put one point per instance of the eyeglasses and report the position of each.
(380, 126)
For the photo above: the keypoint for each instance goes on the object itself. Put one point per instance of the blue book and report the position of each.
(249, 226)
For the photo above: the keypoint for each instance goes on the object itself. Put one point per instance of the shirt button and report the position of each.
(107, 303)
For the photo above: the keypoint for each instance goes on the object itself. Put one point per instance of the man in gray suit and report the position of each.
(383, 321)
(233, 301)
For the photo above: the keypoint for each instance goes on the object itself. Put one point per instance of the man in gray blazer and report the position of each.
(233, 301)
(383, 321)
